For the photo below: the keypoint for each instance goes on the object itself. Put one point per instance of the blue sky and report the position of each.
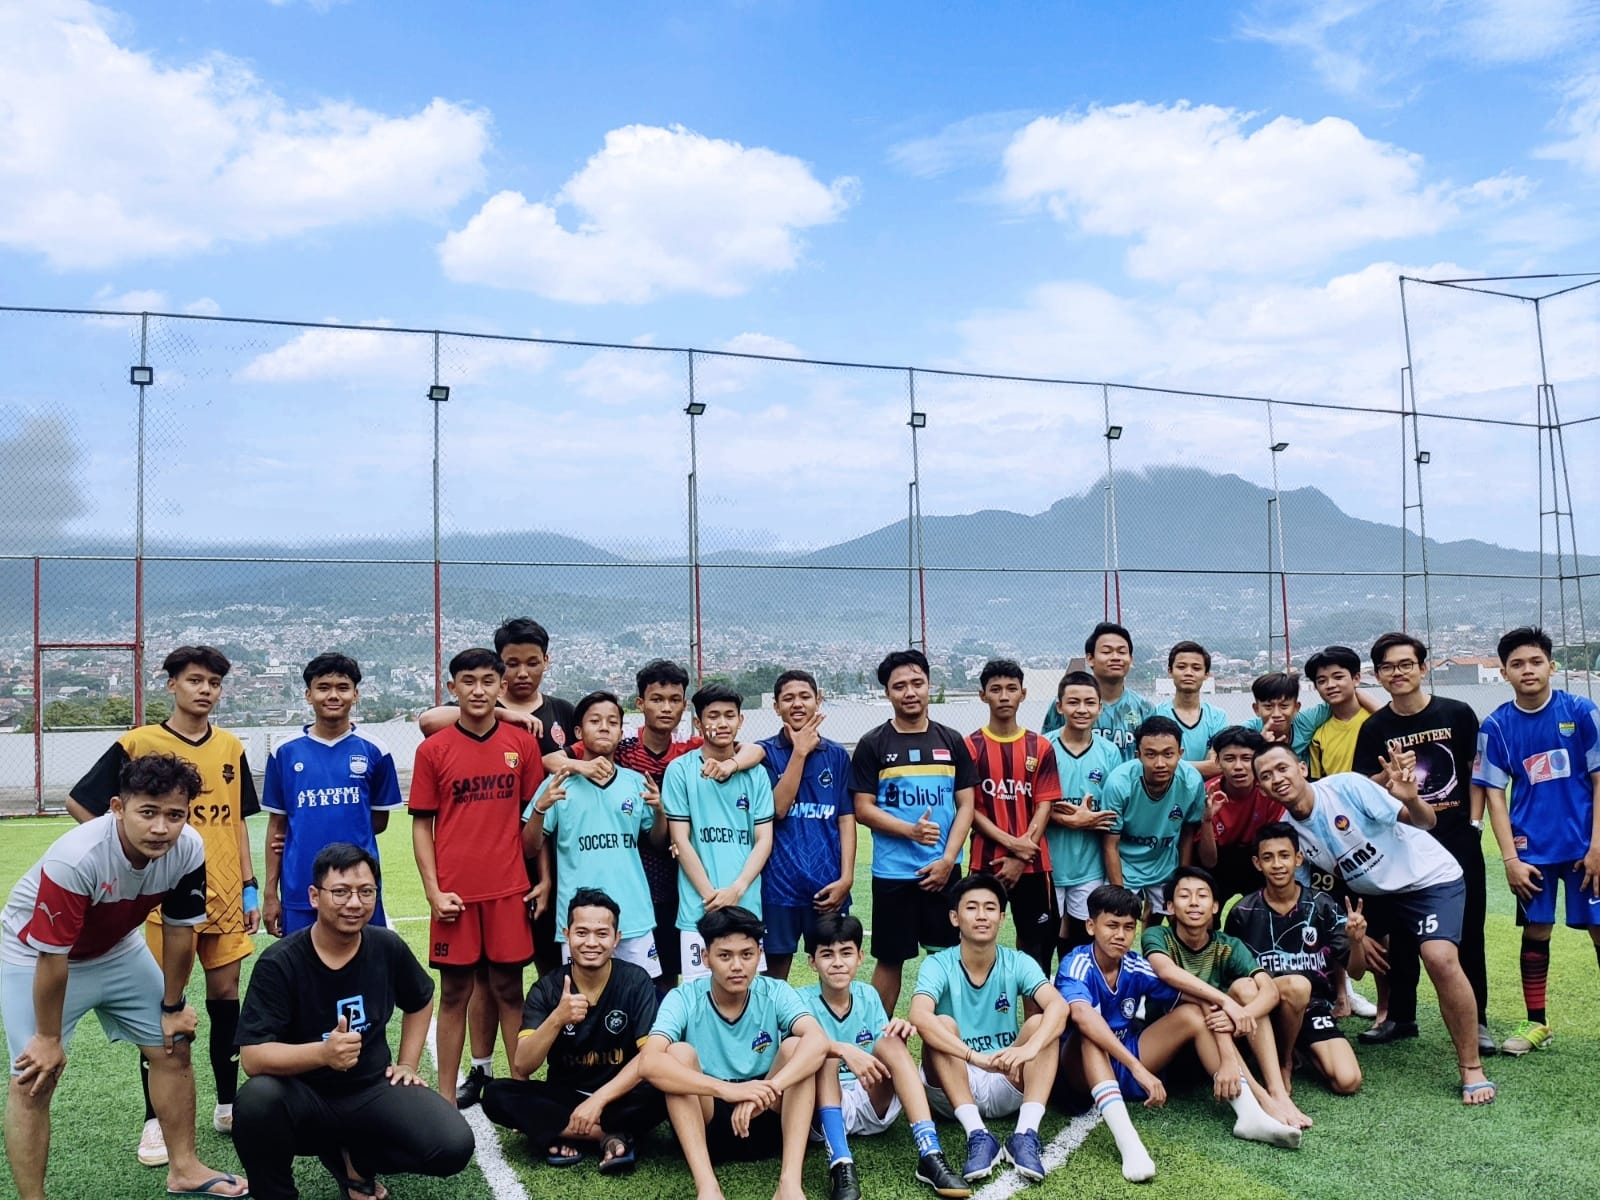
(1193, 196)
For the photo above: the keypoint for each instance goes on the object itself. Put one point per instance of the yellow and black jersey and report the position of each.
(228, 795)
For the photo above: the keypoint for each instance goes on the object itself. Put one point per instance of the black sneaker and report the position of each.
(471, 1089)
(844, 1184)
(933, 1170)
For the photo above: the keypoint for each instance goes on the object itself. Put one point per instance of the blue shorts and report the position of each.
(1130, 1087)
(786, 925)
(1583, 908)
(1430, 914)
(124, 991)
(296, 918)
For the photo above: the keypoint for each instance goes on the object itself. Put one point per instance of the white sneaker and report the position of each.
(152, 1145)
(222, 1118)
(1359, 1004)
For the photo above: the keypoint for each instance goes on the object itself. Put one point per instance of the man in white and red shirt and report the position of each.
(70, 942)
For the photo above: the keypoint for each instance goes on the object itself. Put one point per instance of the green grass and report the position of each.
(1405, 1134)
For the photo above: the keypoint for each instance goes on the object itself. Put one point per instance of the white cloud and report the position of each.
(203, 307)
(976, 139)
(108, 155)
(1580, 121)
(760, 343)
(379, 356)
(1198, 188)
(655, 212)
(137, 300)
(1515, 31)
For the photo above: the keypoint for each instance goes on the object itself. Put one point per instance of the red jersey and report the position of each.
(474, 788)
(636, 756)
(1015, 776)
(1238, 822)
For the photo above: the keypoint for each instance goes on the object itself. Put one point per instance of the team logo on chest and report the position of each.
(513, 759)
(627, 807)
(742, 804)
(864, 1038)
(1030, 764)
(762, 1042)
(227, 772)
(1568, 728)
(615, 1020)
(1129, 1007)
(825, 779)
(358, 764)
(1342, 823)
(1003, 1004)
(1308, 935)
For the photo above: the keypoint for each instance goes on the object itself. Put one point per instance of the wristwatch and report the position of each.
(171, 1009)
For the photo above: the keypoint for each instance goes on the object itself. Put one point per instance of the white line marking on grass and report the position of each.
(1056, 1153)
(497, 1172)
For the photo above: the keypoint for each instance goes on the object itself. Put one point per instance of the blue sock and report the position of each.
(927, 1136)
(832, 1117)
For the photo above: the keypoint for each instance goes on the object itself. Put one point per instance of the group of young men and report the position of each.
(542, 832)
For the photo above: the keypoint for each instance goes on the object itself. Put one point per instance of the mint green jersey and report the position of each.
(735, 1050)
(1197, 737)
(1306, 723)
(594, 834)
(1150, 829)
(862, 1024)
(722, 820)
(1077, 855)
(988, 1014)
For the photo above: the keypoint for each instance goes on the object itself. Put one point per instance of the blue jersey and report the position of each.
(1547, 758)
(862, 1024)
(1197, 737)
(737, 1050)
(1080, 978)
(805, 840)
(987, 1014)
(722, 820)
(326, 792)
(1355, 831)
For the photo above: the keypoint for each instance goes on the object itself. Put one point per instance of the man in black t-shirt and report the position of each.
(587, 1022)
(1443, 735)
(313, 1037)
(913, 781)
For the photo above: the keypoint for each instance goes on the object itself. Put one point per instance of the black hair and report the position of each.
(896, 659)
(999, 668)
(332, 663)
(1237, 735)
(1270, 746)
(834, 927)
(521, 631)
(1190, 871)
(341, 856)
(1077, 679)
(1117, 901)
(1333, 656)
(589, 701)
(715, 693)
(593, 897)
(732, 921)
(1275, 685)
(1525, 635)
(1277, 829)
(1100, 630)
(209, 657)
(661, 672)
(1188, 648)
(477, 659)
(1158, 726)
(978, 881)
(157, 775)
(795, 676)
(1391, 641)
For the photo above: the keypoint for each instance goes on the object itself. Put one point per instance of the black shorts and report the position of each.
(906, 918)
(1319, 1026)
(765, 1140)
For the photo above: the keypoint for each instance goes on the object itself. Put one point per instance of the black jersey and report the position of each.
(1308, 940)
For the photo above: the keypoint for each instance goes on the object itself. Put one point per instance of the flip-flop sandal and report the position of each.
(205, 1190)
(556, 1159)
(622, 1161)
(361, 1187)
(1473, 1089)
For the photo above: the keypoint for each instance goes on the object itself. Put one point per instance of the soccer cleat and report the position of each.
(1023, 1152)
(983, 1151)
(152, 1145)
(471, 1089)
(1359, 1004)
(935, 1171)
(222, 1118)
(843, 1183)
(1530, 1035)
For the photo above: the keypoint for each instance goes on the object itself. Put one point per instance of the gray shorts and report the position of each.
(124, 991)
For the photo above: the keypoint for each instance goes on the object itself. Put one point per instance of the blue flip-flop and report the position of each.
(204, 1191)
(620, 1163)
(1472, 1089)
(564, 1160)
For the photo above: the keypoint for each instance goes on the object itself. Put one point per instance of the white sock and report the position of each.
(969, 1117)
(486, 1063)
(1029, 1116)
(1255, 1125)
(1137, 1165)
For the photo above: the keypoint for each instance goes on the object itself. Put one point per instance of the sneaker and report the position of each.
(843, 1183)
(935, 1171)
(1359, 1004)
(222, 1118)
(471, 1089)
(1023, 1152)
(983, 1151)
(152, 1145)
(1486, 1042)
(1530, 1035)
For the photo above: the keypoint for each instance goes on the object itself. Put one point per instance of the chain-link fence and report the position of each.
(279, 489)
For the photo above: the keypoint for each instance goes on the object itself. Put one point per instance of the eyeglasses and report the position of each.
(1403, 667)
(342, 895)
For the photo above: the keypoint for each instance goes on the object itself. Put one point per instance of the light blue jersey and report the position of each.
(1355, 830)
(1306, 723)
(1119, 718)
(737, 1050)
(1077, 855)
(1150, 830)
(722, 820)
(862, 1024)
(987, 1014)
(595, 833)
(1197, 737)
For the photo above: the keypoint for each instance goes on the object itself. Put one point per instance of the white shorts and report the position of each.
(1074, 900)
(124, 991)
(991, 1092)
(693, 963)
(1155, 895)
(640, 951)
(861, 1119)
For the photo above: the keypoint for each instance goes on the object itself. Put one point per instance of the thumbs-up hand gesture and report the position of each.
(926, 831)
(574, 1006)
(342, 1050)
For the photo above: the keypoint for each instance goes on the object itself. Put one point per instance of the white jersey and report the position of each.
(1355, 831)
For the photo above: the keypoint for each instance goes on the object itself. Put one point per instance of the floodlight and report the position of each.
(438, 393)
(1279, 447)
(141, 376)
(1113, 433)
(919, 420)
(1423, 458)
(695, 408)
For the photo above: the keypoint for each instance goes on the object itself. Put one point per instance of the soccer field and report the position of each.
(1406, 1134)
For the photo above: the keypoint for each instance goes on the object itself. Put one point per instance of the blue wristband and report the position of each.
(252, 897)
